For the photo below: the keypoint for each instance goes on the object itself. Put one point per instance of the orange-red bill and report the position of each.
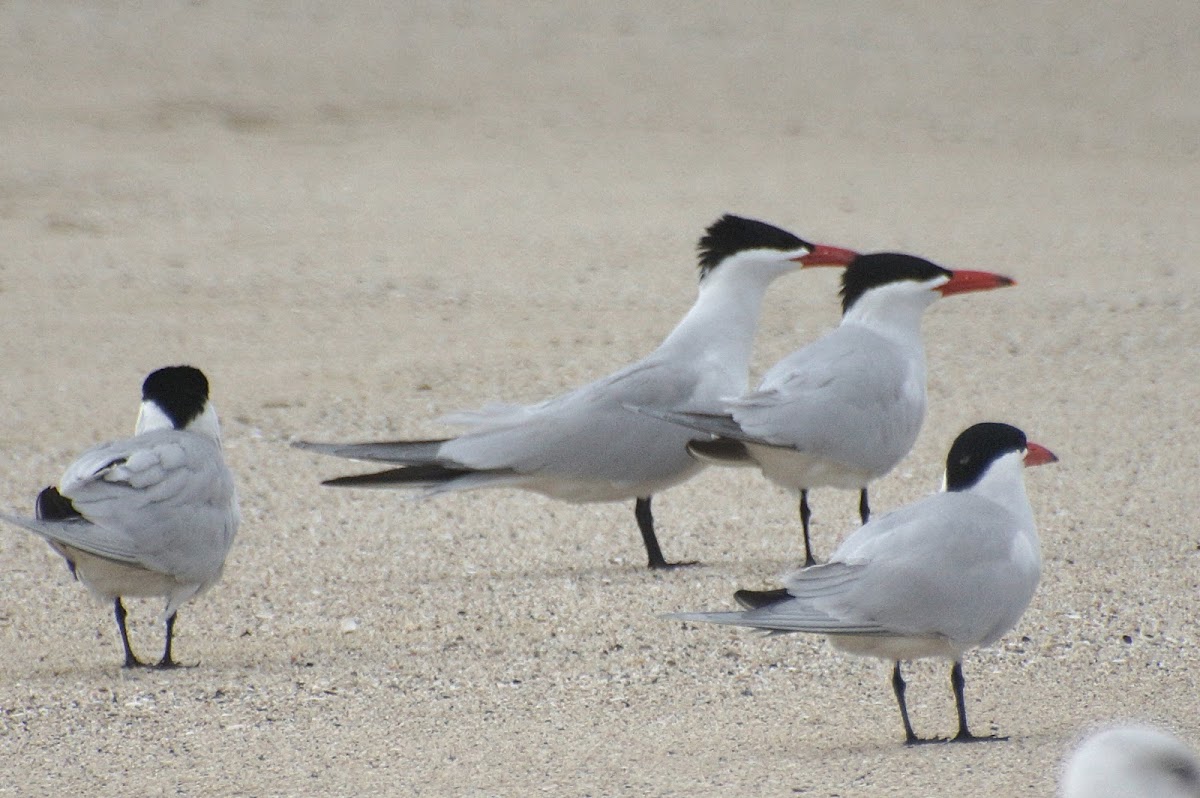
(1036, 454)
(823, 255)
(963, 281)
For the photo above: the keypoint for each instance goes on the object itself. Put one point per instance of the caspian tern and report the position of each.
(845, 409)
(587, 445)
(151, 515)
(951, 572)
(1132, 762)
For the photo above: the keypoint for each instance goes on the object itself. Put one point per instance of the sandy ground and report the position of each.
(354, 220)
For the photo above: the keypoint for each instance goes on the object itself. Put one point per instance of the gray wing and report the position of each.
(952, 564)
(81, 534)
(163, 501)
(852, 396)
(944, 566)
(591, 432)
(397, 452)
(721, 424)
(811, 608)
(588, 432)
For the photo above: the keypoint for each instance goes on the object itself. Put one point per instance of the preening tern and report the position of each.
(151, 515)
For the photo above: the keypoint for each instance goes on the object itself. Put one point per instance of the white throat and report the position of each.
(1004, 483)
(894, 310)
(721, 324)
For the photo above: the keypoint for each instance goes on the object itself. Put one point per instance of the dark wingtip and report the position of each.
(724, 450)
(53, 506)
(393, 476)
(414, 476)
(755, 599)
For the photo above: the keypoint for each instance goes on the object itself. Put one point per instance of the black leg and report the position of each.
(166, 661)
(964, 735)
(645, 521)
(805, 515)
(864, 509)
(119, 610)
(898, 686)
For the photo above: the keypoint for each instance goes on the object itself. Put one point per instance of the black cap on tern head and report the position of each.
(731, 234)
(180, 391)
(881, 268)
(976, 448)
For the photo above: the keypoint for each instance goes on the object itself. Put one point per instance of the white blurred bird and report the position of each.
(1132, 762)
(152, 515)
(951, 572)
(845, 409)
(587, 445)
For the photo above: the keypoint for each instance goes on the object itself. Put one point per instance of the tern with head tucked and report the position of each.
(845, 409)
(588, 445)
(952, 572)
(151, 515)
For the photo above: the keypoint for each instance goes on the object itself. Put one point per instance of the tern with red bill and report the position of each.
(846, 409)
(951, 572)
(588, 445)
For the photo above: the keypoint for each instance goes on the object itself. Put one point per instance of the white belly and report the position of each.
(798, 470)
(897, 648)
(107, 579)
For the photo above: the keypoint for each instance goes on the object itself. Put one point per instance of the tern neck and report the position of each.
(1004, 484)
(207, 423)
(893, 311)
(720, 326)
(151, 418)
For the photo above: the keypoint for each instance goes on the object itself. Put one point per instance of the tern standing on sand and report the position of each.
(588, 445)
(846, 409)
(151, 515)
(952, 572)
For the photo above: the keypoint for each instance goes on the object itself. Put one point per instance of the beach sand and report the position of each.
(354, 219)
